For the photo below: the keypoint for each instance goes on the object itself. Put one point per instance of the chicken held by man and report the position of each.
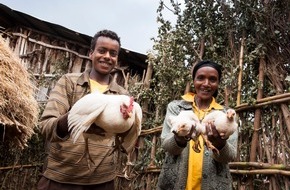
(115, 114)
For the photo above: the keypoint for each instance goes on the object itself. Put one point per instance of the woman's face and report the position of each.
(206, 82)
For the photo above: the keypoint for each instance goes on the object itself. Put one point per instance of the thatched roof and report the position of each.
(18, 107)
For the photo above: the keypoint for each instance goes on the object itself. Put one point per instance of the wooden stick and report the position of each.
(264, 171)
(20, 166)
(150, 131)
(241, 172)
(268, 99)
(240, 71)
(249, 107)
(51, 46)
(259, 165)
(153, 152)
(257, 119)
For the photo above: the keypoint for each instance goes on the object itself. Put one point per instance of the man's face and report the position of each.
(105, 55)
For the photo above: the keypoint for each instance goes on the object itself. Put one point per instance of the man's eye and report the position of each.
(113, 53)
(102, 51)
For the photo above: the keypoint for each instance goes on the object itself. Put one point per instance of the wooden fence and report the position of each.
(263, 141)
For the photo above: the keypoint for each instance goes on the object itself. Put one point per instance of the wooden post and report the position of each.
(257, 119)
(240, 71)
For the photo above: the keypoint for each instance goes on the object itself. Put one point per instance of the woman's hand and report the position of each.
(182, 140)
(214, 137)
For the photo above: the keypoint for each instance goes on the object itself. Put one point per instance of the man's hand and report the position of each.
(94, 129)
(62, 126)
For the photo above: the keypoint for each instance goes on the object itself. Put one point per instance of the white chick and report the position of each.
(225, 123)
(187, 122)
(182, 124)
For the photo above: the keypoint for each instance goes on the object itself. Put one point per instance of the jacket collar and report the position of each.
(189, 97)
(114, 87)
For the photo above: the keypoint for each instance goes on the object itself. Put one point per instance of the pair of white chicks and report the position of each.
(187, 124)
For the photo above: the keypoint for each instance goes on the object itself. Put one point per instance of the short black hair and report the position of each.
(104, 33)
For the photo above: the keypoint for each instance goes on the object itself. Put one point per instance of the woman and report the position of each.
(184, 168)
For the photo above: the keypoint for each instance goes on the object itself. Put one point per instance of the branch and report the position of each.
(50, 46)
(150, 131)
(263, 102)
(262, 171)
(21, 166)
(242, 172)
(239, 165)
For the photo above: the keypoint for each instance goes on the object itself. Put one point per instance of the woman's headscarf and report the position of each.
(208, 63)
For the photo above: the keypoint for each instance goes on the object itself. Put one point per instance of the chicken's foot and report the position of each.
(87, 155)
(196, 147)
(118, 145)
(209, 145)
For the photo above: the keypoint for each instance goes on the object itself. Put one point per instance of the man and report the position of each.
(62, 169)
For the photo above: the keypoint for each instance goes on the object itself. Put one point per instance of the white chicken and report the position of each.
(116, 114)
(186, 122)
(225, 123)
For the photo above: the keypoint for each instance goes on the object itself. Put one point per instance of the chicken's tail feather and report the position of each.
(138, 116)
(75, 126)
(77, 133)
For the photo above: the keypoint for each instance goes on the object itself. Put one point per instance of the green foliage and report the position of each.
(220, 27)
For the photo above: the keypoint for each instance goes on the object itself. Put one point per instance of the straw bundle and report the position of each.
(18, 107)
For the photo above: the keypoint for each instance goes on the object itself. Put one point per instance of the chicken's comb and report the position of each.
(131, 100)
(131, 103)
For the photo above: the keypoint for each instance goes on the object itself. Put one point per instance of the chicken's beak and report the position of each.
(129, 114)
(231, 115)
